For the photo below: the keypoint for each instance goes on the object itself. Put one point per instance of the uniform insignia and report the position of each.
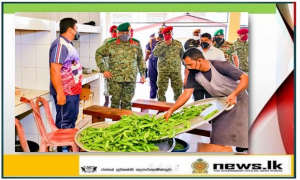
(135, 39)
(111, 40)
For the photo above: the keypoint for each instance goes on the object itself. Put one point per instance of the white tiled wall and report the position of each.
(28, 56)
(88, 44)
(81, 17)
(29, 78)
(18, 77)
(43, 78)
(32, 59)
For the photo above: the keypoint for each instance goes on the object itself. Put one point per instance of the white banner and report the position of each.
(187, 165)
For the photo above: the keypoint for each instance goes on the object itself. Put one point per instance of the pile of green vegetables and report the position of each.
(134, 133)
(178, 146)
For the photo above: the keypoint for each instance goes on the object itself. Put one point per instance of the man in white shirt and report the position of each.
(210, 52)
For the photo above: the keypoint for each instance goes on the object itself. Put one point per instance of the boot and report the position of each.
(106, 101)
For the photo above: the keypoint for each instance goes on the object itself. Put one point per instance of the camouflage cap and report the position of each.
(124, 27)
(197, 31)
(219, 32)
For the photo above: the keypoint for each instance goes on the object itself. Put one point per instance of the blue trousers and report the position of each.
(66, 115)
(152, 68)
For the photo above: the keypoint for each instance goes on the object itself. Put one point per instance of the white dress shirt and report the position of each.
(213, 53)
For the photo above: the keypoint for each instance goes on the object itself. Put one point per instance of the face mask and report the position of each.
(204, 45)
(77, 36)
(196, 38)
(244, 38)
(114, 35)
(161, 36)
(218, 40)
(167, 37)
(124, 37)
(194, 71)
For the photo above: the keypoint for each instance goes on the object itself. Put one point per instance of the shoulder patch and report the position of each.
(177, 41)
(230, 43)
(111, 40)
(135, 39)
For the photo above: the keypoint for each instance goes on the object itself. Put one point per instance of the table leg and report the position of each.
(96, 119)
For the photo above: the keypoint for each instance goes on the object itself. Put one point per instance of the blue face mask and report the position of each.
(77, 36)
(124, 37)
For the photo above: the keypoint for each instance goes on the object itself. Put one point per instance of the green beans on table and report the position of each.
(134, 133)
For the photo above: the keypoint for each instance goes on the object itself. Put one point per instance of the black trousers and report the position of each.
(200, 93)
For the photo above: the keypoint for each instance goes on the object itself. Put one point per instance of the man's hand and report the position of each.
(142, 80)
(168, 42)
(107, 74)
(168, 115)
(231, 99)
(61, 99)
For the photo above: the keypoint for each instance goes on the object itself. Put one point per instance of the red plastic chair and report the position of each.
(57, 137)
(21, 135)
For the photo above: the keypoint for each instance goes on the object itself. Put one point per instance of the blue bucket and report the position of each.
(182, 142)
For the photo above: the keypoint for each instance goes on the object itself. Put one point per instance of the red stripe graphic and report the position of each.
(57, 54)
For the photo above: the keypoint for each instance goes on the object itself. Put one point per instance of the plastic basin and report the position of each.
(185, 145)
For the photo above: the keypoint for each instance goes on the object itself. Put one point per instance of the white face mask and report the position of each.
(196, 37)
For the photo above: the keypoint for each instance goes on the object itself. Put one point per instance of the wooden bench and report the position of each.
(152, 104)
(204, 147)
(99, 113)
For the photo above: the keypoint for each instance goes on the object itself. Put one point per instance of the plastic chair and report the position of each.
(21, 135)
(57, 137)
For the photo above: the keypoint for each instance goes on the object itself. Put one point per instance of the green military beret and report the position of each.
(219, 32)
(124, 27)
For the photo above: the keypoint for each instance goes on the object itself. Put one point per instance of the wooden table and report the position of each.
(152, 104)
(99, 113)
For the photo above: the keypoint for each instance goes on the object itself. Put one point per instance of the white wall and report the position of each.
(81, 17)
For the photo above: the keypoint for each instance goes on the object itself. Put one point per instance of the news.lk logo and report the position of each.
(271, 166)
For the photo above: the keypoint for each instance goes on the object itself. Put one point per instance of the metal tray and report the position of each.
(217, 103)
(164, 146)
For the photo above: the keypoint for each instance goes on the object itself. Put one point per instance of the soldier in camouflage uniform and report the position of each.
(195, 42)
(113, 33)
(226, 47)
(125, 58)
(241, 46)
(169, 53)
